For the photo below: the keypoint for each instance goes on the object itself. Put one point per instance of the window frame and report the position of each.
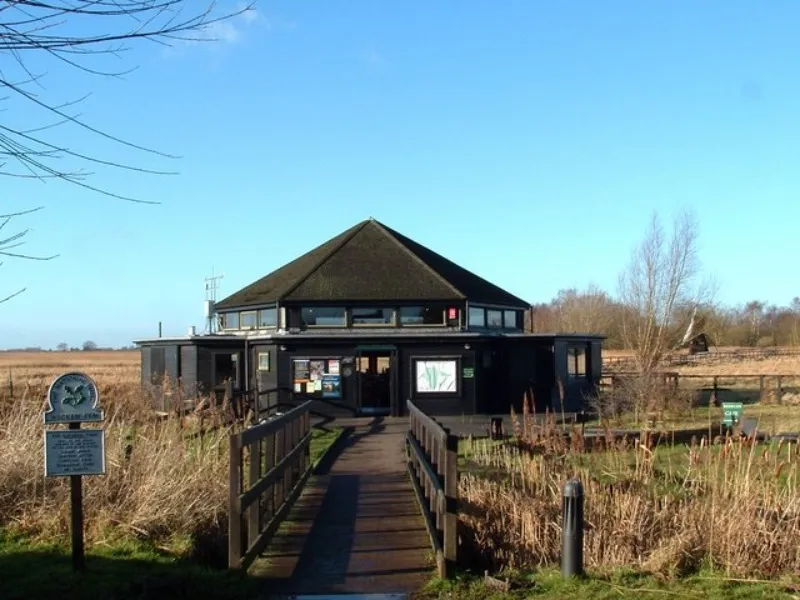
(573, 353)
(226, 316)
(341, 325)
(498, 311)
(274, 310)
(248, 313)
(483, 315)
(514, 313)
(441, 323)
(259, 355)
(351, 316)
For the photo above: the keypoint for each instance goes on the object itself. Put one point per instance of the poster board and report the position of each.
(317, 376)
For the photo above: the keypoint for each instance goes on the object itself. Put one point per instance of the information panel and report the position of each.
(76, 452)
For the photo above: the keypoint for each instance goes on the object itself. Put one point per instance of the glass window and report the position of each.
(373, 316)
(421, 315)
(263, 361)
(248, 320)
(268, 317)
(576, 361)
(333, 316)
(477, 317)
(510, 319)
(494, 318)
(230, 320)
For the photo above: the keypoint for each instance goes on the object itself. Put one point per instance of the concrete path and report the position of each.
(357, 528)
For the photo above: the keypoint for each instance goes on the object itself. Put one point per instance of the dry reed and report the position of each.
(670, 510)
(161, 485)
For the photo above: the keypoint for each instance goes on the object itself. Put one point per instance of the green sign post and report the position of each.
(731, 413)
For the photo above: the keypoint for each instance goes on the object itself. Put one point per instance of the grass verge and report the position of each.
(615, 584)
(122, 571)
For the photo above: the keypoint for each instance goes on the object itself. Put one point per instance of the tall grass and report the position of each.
(161, 485)
(732, 506)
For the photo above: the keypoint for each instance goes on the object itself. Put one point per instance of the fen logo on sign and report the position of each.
(73, 398)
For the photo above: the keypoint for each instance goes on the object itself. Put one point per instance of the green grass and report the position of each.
(321, 440)
(121, 571)
(618, 584)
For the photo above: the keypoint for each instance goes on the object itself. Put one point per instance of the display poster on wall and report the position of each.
(318, 376)
(316, 369)
(436, 376)
(331, 386)
(301, 371)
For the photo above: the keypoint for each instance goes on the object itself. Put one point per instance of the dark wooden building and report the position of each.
(370, 319)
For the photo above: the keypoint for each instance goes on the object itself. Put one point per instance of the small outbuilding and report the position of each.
(370, 319)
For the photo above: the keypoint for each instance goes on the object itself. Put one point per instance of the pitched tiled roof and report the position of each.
(371, 262)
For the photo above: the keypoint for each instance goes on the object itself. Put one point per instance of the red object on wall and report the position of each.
(452, 313)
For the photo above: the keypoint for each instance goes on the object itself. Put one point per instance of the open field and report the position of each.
(40, 368)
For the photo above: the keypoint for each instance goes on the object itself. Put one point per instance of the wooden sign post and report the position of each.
(74, 452)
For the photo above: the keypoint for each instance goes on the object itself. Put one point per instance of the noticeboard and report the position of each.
(74, 452)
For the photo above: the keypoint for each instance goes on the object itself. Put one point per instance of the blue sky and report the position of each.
(528, 141)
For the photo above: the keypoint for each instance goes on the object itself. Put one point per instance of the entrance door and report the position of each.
(374, 369)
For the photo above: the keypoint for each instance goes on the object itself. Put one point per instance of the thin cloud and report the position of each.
(224, 33)
(373, 57)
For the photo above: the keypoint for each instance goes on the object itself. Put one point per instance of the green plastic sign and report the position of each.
(731, 413)
(468, 372)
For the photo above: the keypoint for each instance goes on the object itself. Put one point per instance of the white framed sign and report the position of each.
(436, 376)
(73, 398)
(74, 452)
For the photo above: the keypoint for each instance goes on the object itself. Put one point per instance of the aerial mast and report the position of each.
(212, 285)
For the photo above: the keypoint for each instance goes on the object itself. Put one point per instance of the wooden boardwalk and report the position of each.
(357, 528)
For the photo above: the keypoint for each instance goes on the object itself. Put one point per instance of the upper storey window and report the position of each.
(421, 315)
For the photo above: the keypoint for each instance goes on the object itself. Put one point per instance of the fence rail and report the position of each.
(768, 386)
(277, 454)
(716, 356)
(432, 459)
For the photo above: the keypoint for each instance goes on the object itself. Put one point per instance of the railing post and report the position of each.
(234, 504)
(572, 529)
(450, 533)
(254, 510)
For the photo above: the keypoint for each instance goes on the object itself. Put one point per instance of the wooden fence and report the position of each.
(767, 386)
(432, 458)
(277, 454)
(706, 358)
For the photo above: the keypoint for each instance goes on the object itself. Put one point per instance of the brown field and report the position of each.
(33, 372)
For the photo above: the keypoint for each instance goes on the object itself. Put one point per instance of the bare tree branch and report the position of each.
(71, 33)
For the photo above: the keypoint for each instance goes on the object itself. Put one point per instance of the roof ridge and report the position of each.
(388, 232)
(323, 260)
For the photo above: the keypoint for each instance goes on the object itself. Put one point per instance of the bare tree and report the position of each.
(76, 34)
(663, 274)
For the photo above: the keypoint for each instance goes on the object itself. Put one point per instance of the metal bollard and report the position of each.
(572, 529)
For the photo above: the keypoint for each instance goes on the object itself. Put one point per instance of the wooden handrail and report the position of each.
(432, 458)
(278, 465)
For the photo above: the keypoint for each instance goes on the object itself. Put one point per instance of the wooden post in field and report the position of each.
(779, 390)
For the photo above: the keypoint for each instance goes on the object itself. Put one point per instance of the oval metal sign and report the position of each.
(73, 398)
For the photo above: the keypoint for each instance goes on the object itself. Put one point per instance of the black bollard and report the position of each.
(572, 529)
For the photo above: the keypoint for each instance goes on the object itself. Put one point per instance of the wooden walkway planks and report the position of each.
(356, 529)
